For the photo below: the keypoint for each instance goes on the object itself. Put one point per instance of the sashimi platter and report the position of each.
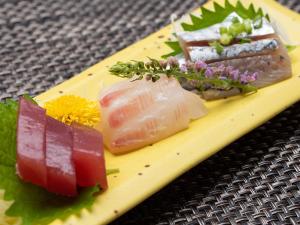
(93, 147)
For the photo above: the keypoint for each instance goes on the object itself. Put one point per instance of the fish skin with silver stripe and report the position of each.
(208, 53)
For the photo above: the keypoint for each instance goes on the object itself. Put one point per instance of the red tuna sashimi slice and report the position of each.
(31, 143)
(60, 168)
(88, 156)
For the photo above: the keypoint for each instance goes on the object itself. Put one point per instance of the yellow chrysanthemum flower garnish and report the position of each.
(71, 108)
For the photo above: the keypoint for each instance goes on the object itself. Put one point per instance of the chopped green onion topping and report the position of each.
(226, 39)
(235, 20)
(245, 40)
(223, 30)
(236, 29)
(219, 48)
(290, 47)
(247, 24)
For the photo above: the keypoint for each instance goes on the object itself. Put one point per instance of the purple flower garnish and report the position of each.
(247, 77)
(190, 65)
(228, 70)
(234, 74)
(200, 65)
(172, 61)
(244, 77)
(220, 71)
(221, 68)
(209, 72)
(163, 63)
(183, 68)
(254, 77)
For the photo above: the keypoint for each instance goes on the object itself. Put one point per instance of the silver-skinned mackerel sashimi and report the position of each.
(240, 44)
(203, 36)
(209, 54)
(61, 174)
(31, 127)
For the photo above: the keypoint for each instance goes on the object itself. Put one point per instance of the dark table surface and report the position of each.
(255, 180)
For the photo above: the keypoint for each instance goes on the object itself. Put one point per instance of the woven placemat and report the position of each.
(253, 181)
(43, 43)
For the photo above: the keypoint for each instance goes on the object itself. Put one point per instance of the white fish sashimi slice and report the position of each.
(152, 111)
(192, 100)
(156, 123)
(109, 94)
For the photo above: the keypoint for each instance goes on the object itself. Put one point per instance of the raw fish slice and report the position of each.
(115, 92)
(160, 109)
(60, 168)
(204, 36)
(88, 157)
(271, 68)
(31, 143)
(160, 124)
(152, 127)
(212, 33)
(133, 106)
(209, 54)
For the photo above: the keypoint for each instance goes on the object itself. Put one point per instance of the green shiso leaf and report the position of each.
(29, 98)
(112, 171)
(31, 203)
(8, 122)
(195, 19)
(174, 45)
(290, 47)
(209, 18)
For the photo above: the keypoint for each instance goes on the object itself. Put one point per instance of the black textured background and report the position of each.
(255, 180)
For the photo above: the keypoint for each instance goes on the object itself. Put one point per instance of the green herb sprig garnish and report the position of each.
(202, 75)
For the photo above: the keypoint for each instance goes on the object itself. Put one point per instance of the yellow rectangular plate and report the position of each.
(226, 121)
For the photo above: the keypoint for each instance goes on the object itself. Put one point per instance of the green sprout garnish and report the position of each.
(218, 46)
(248, 26)
(226, 39)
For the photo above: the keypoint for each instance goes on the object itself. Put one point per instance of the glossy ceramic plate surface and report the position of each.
(147, 170)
